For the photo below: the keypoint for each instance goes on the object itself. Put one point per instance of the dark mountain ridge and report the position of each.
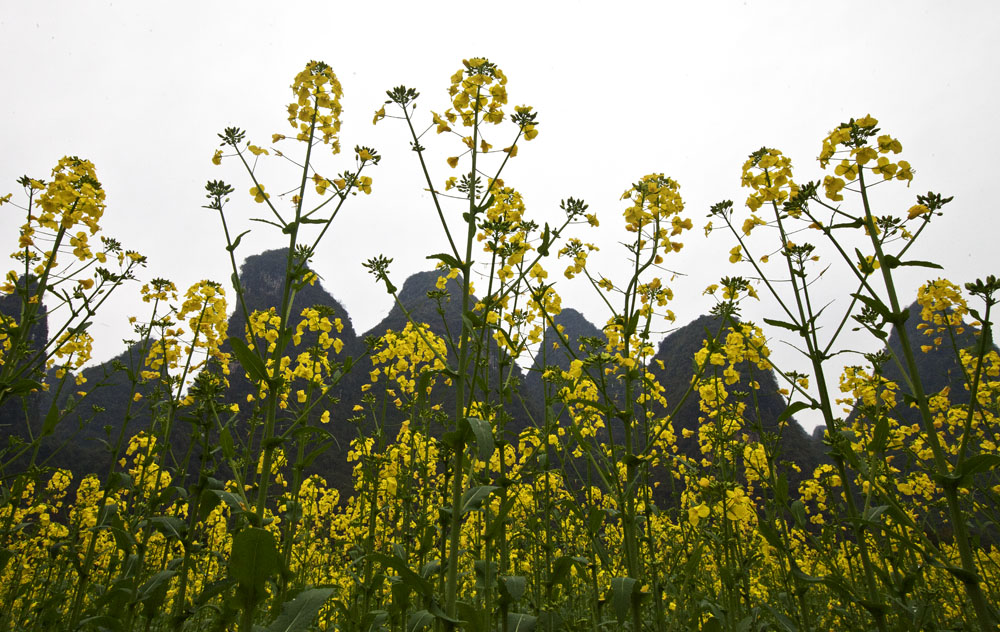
(79, 442)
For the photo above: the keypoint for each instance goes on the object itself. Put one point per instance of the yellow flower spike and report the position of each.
(317, 93)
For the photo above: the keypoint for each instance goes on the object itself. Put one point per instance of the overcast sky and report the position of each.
(687, 89)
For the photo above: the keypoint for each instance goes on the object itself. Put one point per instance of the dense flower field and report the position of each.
(592, 517)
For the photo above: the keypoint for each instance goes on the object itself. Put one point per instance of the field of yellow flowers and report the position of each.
(453, 523)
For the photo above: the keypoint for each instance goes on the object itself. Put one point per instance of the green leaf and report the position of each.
(712, 625)
(419, 620)
(447, 259)
(921, 264)
(771, 535)
(975, 465)
(51, 419)
(248, 360)
(809, 579)
(102, 622)
(871, 514)
(254, 559)
(783, 325)
(512, 588)
(876, 305)
(622, 589)
(22, 386)
(154, 592)
(595, 519)
(799, 513)
(474, 497)
(226, 441)
(210, 498)
(483, 433)
(314, 220)
(633, 323)
(299, 613)
(792, 408)
(473, 617)
(543, 248)
(521, 622)
(406, 574)
(236, 242)
(485, 206)
(170, 526)
(561, 568)
(213, 590)
(880, 436)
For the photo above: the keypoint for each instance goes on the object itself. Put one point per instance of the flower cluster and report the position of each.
(768, 173)
(318, 92)
(855, 139)
(478, 89)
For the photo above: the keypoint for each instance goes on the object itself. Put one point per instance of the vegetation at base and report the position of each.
(486, 459)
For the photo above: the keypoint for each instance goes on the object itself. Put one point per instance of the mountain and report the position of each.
(938, 367)
(442, 312)
(677, 352)
(80, 440)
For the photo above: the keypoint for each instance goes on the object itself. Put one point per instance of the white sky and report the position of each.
(688, 89)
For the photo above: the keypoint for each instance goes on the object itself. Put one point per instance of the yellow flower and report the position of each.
(258, 194)
(865, 154)
(833, 186)
(379, 115)
(695, 514)
(887, 143)
(905, 172)
(916, 210)
(217, 158)
(453, 162)
(735, 254)
(847, 169)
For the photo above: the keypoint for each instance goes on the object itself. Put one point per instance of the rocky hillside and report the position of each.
(81, 441)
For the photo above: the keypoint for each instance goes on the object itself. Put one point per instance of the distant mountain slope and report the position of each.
(83, 434)
(938, 367)
(677, 352)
